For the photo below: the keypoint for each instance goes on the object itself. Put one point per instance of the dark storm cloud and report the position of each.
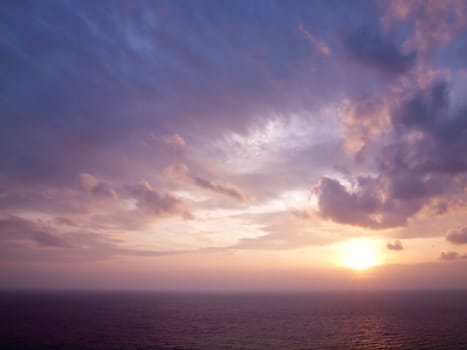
(373, 51)
(422, 158)
(457, 236)
(395, 245)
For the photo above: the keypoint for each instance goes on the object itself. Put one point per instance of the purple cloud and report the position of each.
(420, 159)
(94, 98)
(174, 141)
(457, 236)
(182, 173)
(395, 245)
(451, 256)
(14, 228)
(96, 187)
(373, 51)
(364, 206)
(155, 203)
(64, 221)
(54, 245)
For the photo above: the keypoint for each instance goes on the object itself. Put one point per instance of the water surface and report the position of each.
(98, 320)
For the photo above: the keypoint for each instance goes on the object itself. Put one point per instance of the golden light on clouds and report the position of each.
(248, 156)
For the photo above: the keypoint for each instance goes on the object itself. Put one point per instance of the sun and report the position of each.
(359, 255)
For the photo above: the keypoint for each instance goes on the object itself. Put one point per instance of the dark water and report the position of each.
(410, 320)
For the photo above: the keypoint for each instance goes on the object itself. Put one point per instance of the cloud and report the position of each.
(398, 10)
(102, 99)
(440, 208)
(321, 47)
(364, 206)
(15, 228)
(96, 187)
(362, 120)
(181, 172)
(60, 220)
(148, 252)
(224, 189)
(435, 22)
(174, 141)
(373, 51)
(283, 230)
(155, 203)
(297, 238)
(419, 160)
(72, 246)
(457, 236)
(303, 214)
(451, 256)
(395, 245)
(111, 88)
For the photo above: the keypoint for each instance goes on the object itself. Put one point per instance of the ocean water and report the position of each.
(85, 320)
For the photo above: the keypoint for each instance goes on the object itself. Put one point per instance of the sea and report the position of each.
(148, 320)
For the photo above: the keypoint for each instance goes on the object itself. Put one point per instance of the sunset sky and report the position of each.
(233, 145)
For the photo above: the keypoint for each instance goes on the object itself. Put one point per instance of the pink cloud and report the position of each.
(174, 141)
(395, 245)
(318, 45)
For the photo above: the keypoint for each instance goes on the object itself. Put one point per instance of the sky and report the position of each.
(233, 145)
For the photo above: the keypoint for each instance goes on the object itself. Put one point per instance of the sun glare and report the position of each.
(359, 255)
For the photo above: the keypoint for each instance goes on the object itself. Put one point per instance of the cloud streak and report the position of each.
(180, 172)
(321, 47)
(155, 203)
(14, 228)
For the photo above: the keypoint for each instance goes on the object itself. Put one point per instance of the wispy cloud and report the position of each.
(181, 172)
(321, 47)
(155, 203)
(168, 128)
(174, 141)
(15, 228)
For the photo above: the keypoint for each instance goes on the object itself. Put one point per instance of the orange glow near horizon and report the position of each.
(360, 255)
